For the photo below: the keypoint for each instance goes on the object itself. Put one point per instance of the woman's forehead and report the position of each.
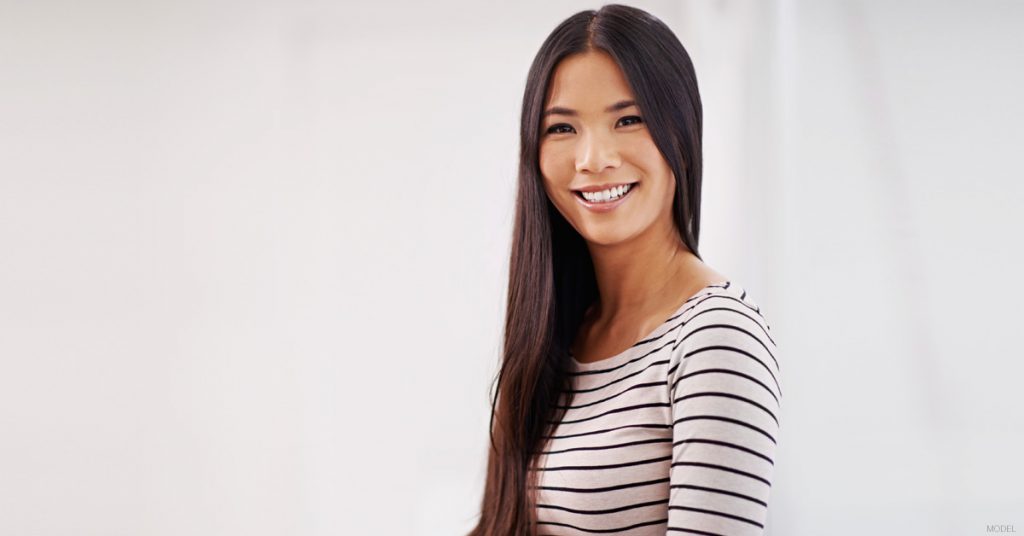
(588, 83)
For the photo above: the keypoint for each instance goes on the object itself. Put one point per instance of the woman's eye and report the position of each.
(638, 119)
(554, 129)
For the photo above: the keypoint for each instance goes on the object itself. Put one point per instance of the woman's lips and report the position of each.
(605, 206)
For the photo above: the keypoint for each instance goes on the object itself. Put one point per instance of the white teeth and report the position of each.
(607, 195)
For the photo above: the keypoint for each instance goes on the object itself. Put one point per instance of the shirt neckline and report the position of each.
(620, 357)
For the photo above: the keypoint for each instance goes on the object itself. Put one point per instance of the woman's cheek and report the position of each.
(545, 163)
(549, 177)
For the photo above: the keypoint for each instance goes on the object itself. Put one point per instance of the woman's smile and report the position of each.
(605, 200)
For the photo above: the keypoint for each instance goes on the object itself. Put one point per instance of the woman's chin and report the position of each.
(606, 237)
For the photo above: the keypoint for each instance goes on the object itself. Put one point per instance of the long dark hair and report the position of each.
(551, 274)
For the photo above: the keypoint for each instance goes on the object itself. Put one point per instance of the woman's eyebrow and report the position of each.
(559, 110)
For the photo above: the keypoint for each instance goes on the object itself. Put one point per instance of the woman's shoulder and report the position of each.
(726, 325)
(727, 302)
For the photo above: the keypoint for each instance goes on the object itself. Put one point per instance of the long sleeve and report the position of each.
(725, 392)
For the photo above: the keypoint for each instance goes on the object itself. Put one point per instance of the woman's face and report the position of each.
(591, 136)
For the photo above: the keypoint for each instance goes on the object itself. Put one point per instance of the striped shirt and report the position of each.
(675, 435)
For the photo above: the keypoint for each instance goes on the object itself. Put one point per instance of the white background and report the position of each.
(253, 256)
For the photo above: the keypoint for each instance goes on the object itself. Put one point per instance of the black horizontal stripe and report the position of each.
(626, 377)
(617, 410)
(734, 328)
(602, 467)
(602, 531)
(721, 371)
(637, 386)
(627, 363)
(606, 511)
(722, 468)
(740, 351)
(606, 488)
(726, 419)
(725, 444)
(606, 430)
(607, 447)
(694, 531)
(766, 328)
(722, 491)
(634, 373)
(728, 395)
(762, 324)
(707, 297)
(714, 513)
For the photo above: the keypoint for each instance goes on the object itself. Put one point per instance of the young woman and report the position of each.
(639, 388)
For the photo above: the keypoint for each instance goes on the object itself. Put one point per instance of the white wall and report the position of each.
(254, 256)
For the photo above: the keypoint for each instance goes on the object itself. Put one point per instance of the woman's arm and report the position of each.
(723, 380)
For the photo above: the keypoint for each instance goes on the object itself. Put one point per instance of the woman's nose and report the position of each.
(596, 152)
